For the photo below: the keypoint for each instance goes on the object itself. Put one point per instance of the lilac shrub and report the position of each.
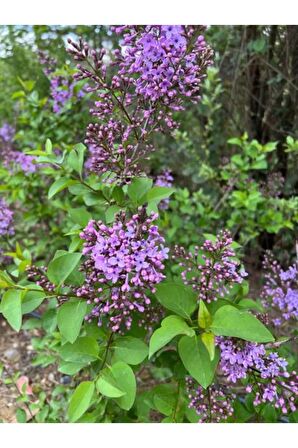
(124, 262)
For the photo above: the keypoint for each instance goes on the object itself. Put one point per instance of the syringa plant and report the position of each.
(146, 330)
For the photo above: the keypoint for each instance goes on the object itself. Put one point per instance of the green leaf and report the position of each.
(164, 398)
(61, 267)
(32, 300)
(70, 368)
(196, 360)
(138, 188)
(5, 280)
(208, 340)
(118, 382)
(176, 297)
(204, 317)
(76, 158)
(125, 380)
(83, 350)
(11, 308)
(21, 415)
(48, 146)
(229, 321)
(59, 185)
(70, 318)
(107, 386)
(111, 212)
(80, 216)
(80, 400)
(157, 194)
(130, 350)
(251, 304)
(171, 326)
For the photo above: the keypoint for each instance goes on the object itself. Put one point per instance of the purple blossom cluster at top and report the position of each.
(162, 63)
(218, 272)
(240, 359)
(164, 179)
(11, 158)
(123, 262)
(156, 69)
(212, 405)
(280, 291)
(6, 219)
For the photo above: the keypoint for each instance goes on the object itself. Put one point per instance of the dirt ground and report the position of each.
(16, 354)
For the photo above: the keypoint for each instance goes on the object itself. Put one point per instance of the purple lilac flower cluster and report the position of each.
(214, 404)
(274, 185)
(280, 291)
(240, 359)
(124, 261)
(217, 273)
(161, 62)
(11, 158)
(61, 89)
(164, 179)
(7, 132)
(157, 68)
(6, 219)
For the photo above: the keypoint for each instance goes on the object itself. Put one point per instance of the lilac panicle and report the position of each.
(7, 132)
(6, 219)
(124, 261)
(152, 74)
(61, 88)
(280, 292)
(267, 372)
(213, 405)
(13, 160)
(218, 272)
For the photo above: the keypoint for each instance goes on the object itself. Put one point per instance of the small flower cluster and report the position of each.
(61, 89)
(6, 219)
(213, 404)
(61, 92)
(157, 68)
(267, 373)
(11, 158)
(7, 132)
(274, 185)
(280, 290)
(124, 261)
(166, 61)
(37, 275)
(218, 272)
(164, 179)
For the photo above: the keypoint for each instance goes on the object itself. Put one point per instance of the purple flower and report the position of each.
(157, 69)
(267, 373)
(218, 272)
(6, 219)
(280, 292)
(7, 132)
(214, 404)
(124, 261)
